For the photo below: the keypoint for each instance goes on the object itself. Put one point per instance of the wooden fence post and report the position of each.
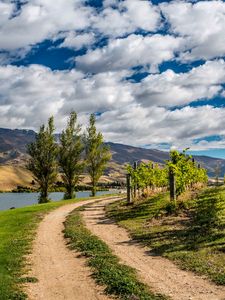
(135, 183)
(129, 196)
(172, 180)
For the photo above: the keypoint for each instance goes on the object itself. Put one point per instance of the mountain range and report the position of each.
(13, 143)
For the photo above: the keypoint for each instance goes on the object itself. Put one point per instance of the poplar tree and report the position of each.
(43, 159)
(70, 151)
(97, 154)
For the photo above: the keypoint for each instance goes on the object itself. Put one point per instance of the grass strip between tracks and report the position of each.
(118, 279)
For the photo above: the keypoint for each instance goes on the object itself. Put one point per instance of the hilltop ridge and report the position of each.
(13, 143)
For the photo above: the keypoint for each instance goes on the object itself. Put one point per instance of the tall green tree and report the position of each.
(70, 151)
(43, 159)
(97, 154)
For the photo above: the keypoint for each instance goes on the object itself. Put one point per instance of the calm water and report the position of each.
(8, 200)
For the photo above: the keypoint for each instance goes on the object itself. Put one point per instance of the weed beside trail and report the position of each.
(118, 279)
(193, 235)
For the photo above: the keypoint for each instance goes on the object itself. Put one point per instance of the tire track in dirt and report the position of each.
(159, 273)
(61, 273)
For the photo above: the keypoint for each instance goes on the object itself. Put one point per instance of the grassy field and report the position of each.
(17, 228)
(118, 279)
(193, 236)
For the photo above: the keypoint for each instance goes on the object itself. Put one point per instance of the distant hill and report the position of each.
(15, 139)
(13, 152)
(122, 154)
(14, 175)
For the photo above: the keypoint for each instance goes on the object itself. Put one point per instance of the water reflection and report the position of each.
(8, 200)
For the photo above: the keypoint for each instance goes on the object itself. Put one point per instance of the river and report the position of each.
(8, 200)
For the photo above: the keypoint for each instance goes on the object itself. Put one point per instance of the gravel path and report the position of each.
(60, 272)
(159, 273)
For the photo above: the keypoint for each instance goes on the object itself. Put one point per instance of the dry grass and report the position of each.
(11, 176)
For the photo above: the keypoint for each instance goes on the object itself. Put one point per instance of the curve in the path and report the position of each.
(60, 273)
(159, 273)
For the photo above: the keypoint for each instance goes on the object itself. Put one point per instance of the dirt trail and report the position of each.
(60, 273)
(159, 273)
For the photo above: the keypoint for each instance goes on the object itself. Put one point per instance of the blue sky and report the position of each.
(152, 71)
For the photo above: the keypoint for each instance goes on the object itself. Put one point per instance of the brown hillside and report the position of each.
(11, 176)
(13, 152)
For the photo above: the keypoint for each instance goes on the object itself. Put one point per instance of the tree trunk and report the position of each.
(43, 198)
(93, 191)
(70, 193)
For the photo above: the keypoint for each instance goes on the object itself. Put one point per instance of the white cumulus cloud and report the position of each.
(202, 24)
(135, 50)
(123, 17)
(39, 20)
(129, 112)
(77, 41)
(177, 89)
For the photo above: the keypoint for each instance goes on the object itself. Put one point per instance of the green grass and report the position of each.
(193, 237)
(17, 230)
(118, 279)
